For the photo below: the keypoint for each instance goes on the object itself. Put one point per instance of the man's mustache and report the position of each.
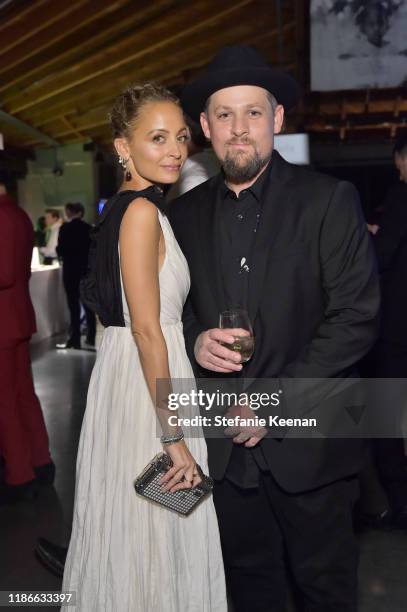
(240, 141)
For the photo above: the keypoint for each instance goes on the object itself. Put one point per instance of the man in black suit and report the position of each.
(390, 240)
(388, 359)
(292, 247)
(73, 249)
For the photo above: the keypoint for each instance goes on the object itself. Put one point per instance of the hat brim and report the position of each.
(283, 87)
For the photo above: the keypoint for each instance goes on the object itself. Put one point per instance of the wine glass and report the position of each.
(237, 319)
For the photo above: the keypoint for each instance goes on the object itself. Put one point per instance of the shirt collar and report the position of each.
(256, 189)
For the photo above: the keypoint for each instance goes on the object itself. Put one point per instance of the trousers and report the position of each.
(23, 435)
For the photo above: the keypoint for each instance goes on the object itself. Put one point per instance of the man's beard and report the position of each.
(239, 172)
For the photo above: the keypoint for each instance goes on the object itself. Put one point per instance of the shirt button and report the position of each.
(240, 217)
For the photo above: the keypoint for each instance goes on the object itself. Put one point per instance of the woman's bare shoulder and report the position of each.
(141, 211)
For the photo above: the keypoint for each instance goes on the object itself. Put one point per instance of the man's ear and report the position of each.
(205, 125)
(278, 118)
(122, 147)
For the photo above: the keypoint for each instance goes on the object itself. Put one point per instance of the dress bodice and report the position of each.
(173, 279)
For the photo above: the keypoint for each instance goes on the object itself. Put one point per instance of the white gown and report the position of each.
(126, 554)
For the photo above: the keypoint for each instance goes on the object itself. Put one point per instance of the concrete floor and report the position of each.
(61, 380)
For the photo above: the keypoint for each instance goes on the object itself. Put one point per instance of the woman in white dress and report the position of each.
(127, 554)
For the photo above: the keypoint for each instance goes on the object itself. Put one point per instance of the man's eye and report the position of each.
(158, 138)
(255, 113)
(223, 115)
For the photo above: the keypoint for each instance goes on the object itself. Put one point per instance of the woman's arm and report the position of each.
(139, 242)
(139, 260)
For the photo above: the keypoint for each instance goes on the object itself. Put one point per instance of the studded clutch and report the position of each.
(147, 484)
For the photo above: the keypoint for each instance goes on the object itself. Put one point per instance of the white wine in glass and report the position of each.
(236, 319)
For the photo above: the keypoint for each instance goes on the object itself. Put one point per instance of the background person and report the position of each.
(388, 358)
(53, 222)
(23, 436)
(41, 232)
(73, 249)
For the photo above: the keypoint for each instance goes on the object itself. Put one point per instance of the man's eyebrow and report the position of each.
(250, 105)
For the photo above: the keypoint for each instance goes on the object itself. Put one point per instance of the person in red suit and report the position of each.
(23, 436)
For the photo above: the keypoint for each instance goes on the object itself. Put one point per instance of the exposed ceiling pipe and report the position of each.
(28, 129)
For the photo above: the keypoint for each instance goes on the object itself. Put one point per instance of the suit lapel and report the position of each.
(210, 240)
(274, 199)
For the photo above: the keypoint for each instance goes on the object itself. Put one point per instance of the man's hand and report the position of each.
(211, 355)
(247, 435)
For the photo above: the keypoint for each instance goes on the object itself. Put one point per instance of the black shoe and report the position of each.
(45, 474)
(51, 556)
(14, 494)
(70, 343)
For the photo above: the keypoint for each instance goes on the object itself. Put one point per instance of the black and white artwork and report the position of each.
(358, 44)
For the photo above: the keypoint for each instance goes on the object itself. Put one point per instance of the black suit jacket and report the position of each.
(73, 247)
(391, 249)
(313, 297)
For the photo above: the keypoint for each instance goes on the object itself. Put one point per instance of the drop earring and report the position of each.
(123, 163)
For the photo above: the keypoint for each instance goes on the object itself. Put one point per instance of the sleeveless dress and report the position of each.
(127, 554)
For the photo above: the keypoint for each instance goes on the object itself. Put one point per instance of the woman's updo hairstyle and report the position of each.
(128, 104)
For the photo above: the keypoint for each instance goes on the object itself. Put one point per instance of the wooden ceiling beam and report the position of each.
(77, 20)
(39, 20)
(20, 13)
(72, 128)
(83, 116)
(322, 127)
(78, 44)
(84, 125)
(101, 90)
(137, 48)
(363, 122)
(358, 108)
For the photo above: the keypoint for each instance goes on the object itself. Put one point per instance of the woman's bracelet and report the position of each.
(172, 439)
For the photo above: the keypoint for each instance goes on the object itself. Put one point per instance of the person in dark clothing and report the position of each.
(41, 232)
(388, 358)
(290, 246)
(73, 249)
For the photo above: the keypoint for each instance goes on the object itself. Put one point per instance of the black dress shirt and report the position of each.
(239, 218)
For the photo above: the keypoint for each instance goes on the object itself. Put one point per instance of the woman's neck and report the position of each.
(136, 184)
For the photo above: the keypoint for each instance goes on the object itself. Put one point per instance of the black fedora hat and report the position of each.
(238, 65)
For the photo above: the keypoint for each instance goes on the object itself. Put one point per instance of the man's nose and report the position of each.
(240, 126)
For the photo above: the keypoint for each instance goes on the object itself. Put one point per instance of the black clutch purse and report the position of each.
(183, 502)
